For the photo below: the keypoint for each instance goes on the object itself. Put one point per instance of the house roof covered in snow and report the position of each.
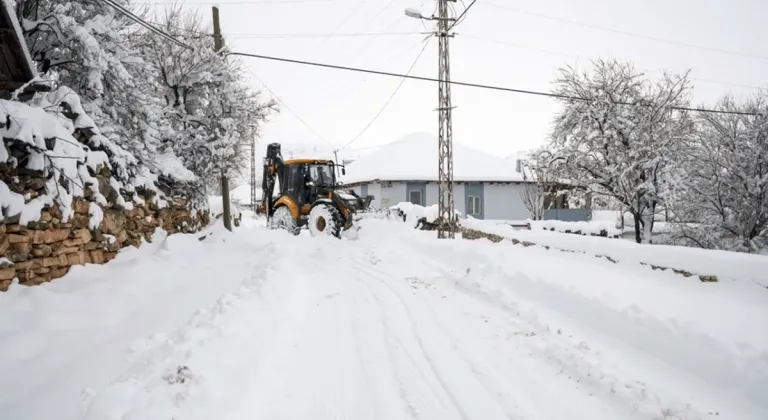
(414, 158)
(16, 67)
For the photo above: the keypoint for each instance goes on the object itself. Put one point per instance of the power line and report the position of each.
(319, 35)
(399, 85)
(164, 34)
(144, 23)
(620, 32)
(301, 120)
(578, 57)
(464, 13)
(469, 84)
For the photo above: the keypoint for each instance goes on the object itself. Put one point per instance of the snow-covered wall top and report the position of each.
(414, 158)
(54, 138)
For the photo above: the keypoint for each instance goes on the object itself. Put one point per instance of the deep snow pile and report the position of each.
(216, 206)
(724, 264)
(394, 325)
(63, 340)
(242, 194)
(415, 212)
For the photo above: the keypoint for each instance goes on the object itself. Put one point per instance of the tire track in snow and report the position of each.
(391, 339)
(552, 349)
(362, 266)
(569, 358)
(492, 390)
(363, 365)
(481, 376)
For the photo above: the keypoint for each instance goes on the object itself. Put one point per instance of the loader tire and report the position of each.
(324, 220)
(282, 219)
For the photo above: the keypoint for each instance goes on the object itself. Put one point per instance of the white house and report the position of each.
(485, 186)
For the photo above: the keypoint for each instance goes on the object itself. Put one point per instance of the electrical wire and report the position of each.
(406, 76)
(470, 84)
(327, 35)
(462, 15)
(399, 85)
(579, 57)
(298, 117)
(144, 23)
(632, 34)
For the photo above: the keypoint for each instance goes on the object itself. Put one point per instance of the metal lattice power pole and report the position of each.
(447, 217)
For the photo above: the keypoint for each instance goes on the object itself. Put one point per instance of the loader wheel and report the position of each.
(324, 219)
(282, 219)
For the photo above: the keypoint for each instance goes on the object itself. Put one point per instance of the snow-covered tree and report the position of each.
(722, 202)
(87, 46)
(213, 114)
(619, 134)
(538, 194)
(153, 98)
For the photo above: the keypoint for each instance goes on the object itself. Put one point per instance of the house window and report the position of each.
(414, 196)
(474, 205)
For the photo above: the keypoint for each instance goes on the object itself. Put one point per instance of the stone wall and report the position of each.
(45, 249)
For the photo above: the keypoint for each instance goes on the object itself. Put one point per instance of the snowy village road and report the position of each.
(398, 325)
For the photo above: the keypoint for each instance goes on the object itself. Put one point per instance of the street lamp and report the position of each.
(414, 13)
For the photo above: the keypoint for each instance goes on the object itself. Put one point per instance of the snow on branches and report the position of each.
(179, 113)
(212, 114)
(622, 136)
(539, 196)
(724, 195)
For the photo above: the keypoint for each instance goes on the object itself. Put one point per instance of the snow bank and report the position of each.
(414, 212)
(591, 228)
(61, 340)
(242, 194)
(724, 264)
(216, 206)
(696, 340)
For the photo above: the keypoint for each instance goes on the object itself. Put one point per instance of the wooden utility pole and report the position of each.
(218, 44)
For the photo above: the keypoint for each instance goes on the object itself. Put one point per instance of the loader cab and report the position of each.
(306, 180)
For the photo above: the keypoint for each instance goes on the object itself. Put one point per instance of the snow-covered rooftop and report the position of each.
(414, 158)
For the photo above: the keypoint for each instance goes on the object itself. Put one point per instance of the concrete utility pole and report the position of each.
(446, 215)
(218, 44)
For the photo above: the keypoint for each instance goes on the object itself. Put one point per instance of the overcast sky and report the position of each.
(510, 43)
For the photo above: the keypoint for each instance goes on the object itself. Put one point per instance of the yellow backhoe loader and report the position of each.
(309, 195)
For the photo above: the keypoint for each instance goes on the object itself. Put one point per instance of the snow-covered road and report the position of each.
(399, 325)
